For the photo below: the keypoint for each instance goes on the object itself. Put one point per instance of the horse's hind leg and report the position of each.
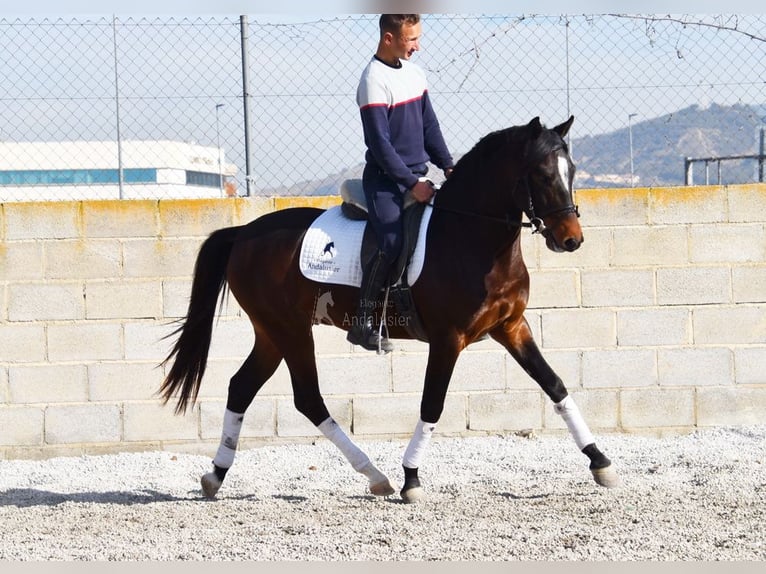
(244, 385)
(309, 402)
(517, 338)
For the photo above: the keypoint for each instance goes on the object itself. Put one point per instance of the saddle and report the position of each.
(354, 206)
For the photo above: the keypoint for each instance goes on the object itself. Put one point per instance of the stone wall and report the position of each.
(657, 324)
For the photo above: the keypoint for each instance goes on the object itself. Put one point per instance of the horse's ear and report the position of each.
(563, 129)
(535, 128)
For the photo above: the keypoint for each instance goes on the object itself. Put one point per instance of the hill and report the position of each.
(661, 144)
(659, 148)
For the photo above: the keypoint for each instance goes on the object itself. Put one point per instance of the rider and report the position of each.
(402, 134)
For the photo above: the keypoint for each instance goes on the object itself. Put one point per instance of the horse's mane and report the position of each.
(515, 138)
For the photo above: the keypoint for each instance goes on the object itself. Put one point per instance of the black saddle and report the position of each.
(354, 207)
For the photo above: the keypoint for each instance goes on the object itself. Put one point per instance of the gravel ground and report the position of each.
(693, 497)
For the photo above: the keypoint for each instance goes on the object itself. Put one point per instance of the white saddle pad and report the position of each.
(330, 252)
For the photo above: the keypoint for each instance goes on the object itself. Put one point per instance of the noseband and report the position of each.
(536, 220)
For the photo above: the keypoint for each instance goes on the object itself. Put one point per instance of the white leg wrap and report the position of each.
(353, 453)
(575, 423)
(416, 450)
(232, 425)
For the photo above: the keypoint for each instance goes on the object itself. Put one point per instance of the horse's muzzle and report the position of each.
(564, 236)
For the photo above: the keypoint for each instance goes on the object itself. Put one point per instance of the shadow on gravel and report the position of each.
(392, 499)
(28, 497)
(289, 498)
(512, 496)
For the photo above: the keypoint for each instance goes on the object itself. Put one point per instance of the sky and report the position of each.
(300, 11)
(303, 7)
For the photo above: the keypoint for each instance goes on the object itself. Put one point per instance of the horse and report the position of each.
(473, 285)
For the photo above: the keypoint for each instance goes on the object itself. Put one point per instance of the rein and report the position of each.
(535, 222)
(507, 221)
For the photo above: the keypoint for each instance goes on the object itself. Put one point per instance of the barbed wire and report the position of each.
(686, 21)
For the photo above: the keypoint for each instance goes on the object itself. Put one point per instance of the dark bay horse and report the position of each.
(473, 284)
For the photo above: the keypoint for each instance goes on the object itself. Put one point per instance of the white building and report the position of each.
(44, 171)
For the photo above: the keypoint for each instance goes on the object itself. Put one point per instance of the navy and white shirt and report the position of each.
(400, 127)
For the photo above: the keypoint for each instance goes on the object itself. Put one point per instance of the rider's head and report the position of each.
(399, 37)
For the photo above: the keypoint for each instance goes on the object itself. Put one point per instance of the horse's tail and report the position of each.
(192, 346)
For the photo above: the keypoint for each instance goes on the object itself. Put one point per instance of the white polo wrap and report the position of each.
(575, 423)
(416, 450)
(353, 453)
(232, 425)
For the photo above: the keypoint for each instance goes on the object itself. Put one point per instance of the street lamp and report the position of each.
(630, 140)
(218, 143)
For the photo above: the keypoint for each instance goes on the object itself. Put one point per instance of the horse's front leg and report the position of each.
(517, 338)
(441, 363)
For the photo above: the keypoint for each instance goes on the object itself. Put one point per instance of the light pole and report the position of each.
(218, 143)
(630, 140)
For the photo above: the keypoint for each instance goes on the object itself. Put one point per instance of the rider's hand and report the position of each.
(422, 191)
(448, 172)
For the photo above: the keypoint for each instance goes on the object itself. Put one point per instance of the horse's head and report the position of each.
(544, 193)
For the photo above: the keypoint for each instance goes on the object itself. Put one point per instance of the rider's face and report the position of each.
(408, 41)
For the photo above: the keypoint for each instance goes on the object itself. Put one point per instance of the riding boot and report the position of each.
(363, 331)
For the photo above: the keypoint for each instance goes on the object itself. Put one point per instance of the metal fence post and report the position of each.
(244, 33)
(120, 174)
(688, 171)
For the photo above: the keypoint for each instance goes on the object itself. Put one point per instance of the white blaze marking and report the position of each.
(564, 171)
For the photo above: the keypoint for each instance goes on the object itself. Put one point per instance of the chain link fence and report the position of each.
(222, 106)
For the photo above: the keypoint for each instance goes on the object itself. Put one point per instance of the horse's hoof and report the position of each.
(379, 483)
(383, 488)
(412, 491)
(606, 477)
(210, 484)
(412, 495)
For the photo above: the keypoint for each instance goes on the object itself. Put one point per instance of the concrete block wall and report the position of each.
(657, 324)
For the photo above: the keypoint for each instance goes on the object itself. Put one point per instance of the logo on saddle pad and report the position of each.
(331, 249)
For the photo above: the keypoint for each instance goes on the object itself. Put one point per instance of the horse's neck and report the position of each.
(475, 244)
(484, 199)
(483, 229)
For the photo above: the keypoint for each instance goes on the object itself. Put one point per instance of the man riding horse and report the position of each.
(402, 134)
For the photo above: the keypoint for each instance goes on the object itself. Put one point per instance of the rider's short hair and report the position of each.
(393, 22)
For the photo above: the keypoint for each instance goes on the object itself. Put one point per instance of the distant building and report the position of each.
(44, 171)
(585, 179)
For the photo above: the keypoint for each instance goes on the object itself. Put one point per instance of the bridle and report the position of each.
(535, 218)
